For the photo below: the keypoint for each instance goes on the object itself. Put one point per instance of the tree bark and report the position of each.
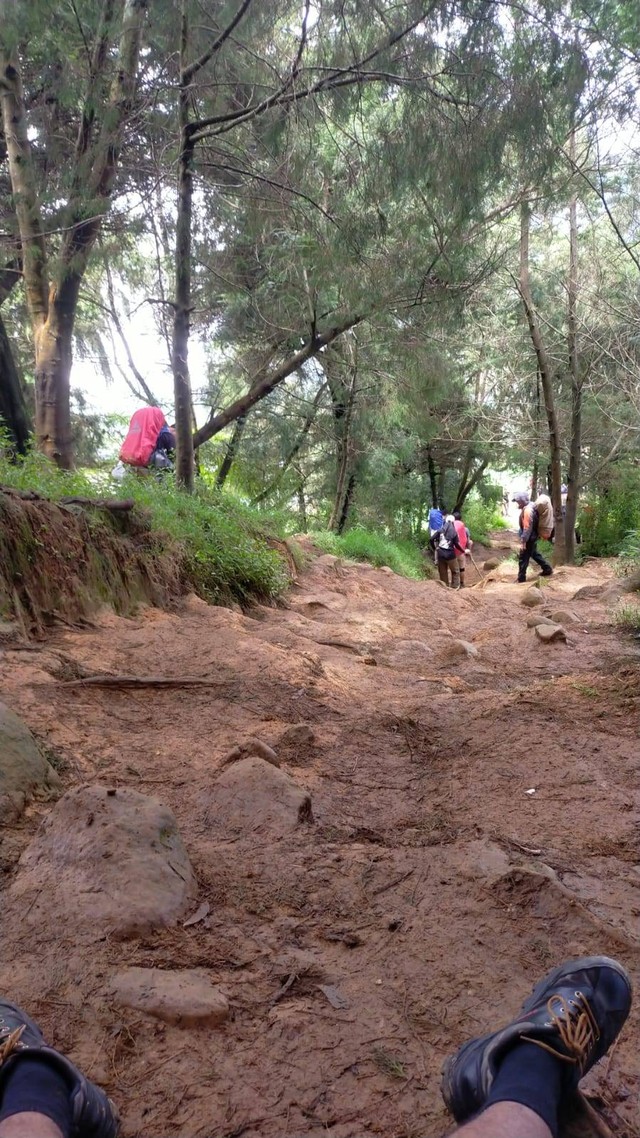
(343, 401)
(575, 450)
(347, 503)
(546, 377)
(13, 407)
(431, 467)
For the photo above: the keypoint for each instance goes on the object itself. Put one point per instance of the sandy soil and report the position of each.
(431, 890)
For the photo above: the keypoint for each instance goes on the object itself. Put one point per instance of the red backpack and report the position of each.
(140, 443)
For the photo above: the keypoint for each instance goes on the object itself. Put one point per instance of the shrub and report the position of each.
(627, 616)
(481, 517)
(358, 544)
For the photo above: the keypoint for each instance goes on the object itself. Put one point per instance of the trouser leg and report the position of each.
(523, 561)
(443, 571)
(539, 560)
(455, 573)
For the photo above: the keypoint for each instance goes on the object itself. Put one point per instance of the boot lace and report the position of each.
(10, 1041)
(576, 1026)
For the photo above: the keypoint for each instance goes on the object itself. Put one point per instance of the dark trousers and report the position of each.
(530, 553)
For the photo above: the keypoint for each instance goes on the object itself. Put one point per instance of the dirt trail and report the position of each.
(430, 889)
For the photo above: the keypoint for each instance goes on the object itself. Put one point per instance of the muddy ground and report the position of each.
(431, 890)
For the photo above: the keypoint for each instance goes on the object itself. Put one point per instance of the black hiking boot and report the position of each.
(93, 1115)
(575, 1012)
(547, 573)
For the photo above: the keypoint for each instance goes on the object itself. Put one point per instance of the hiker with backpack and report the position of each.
(464, 537)
(434, 521)
(445, 542)
(529, 533)
(149, 441)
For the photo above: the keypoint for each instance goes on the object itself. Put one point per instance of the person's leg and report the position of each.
(523, 563)
(443, 571)
(29, 1125)
(454, 567)
(539, 560)
(535, 1063)
(42, 1093)
(461, 569)
(505, 1120)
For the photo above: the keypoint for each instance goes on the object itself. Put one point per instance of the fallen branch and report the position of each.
(115, 504)
(138, 682)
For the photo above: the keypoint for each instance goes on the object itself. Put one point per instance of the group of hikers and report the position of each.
(450, 541)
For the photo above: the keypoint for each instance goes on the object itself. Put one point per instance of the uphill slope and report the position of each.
(475, 800)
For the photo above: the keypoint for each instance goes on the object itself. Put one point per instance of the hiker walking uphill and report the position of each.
(464, 538)
(529, 533)
(149, 441)
(446, 544)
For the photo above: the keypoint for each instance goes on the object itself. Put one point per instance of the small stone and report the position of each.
(460, 649)
(549, 632)
(183, 998)
(532, 598)
(490, 563)
(370, 660)
(563, 616)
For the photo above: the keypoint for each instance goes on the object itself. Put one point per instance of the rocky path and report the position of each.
(388, 810)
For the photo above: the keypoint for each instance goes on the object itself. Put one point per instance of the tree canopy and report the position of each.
(403, 235)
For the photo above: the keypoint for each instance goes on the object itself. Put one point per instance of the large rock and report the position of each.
(588, 592)
(23, 770)
(563, 616)
(550, 632)
(185, 999)
(491, 563)
(535, 618)
(251, 796)
(108, 861)
(532, 598)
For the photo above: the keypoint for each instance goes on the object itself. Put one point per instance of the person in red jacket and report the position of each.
(464, 537)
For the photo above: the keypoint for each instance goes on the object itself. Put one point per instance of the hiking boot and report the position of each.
(93, 1115)
(547, 573)
(575, 1013)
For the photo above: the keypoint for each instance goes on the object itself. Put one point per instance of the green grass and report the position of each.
(223, 544)
(481, 518)
(404, 557)
(627, 616)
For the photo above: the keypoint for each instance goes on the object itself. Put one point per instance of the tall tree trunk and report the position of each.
(231, 451)
(467, 486)
(13, 407)
(302, 505)
(575, 450)
(54, 356)
(343, 396)
(346, 503)
(546, 376)
(431, 467)
(185, 466)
